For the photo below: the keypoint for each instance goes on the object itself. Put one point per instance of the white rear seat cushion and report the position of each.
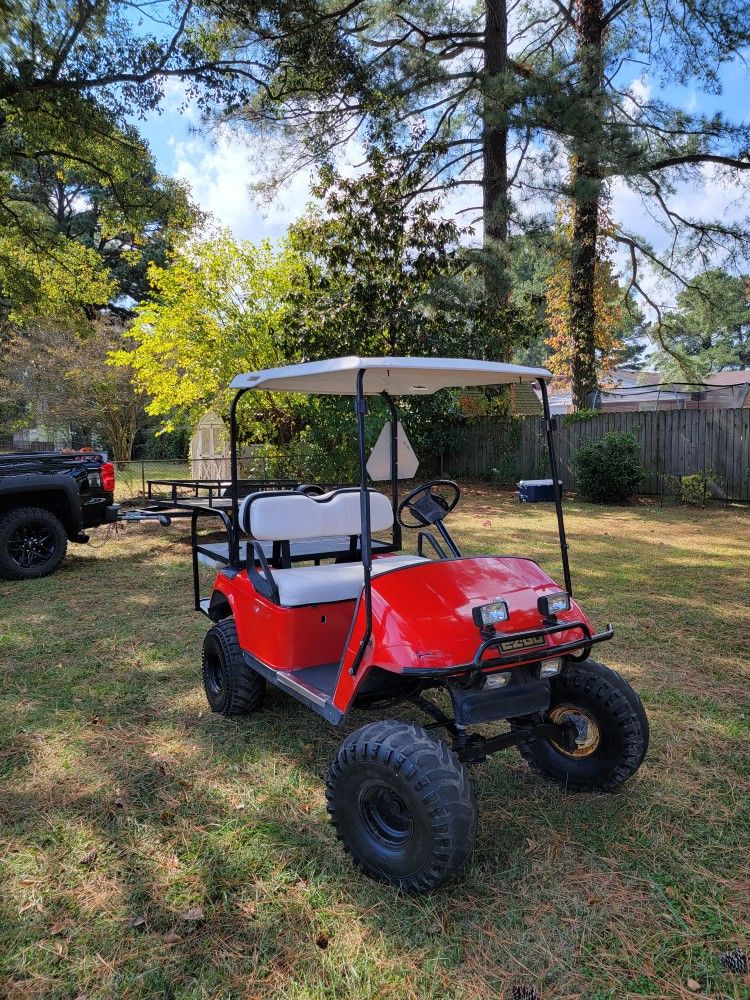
(293, 516)
(332, 582)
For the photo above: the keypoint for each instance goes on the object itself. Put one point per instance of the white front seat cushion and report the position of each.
(332, 582)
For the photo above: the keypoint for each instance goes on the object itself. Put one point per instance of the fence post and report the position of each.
(143, 478)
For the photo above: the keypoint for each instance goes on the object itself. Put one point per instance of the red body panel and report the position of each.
(421, 618)
(421, 615)
(286, 638)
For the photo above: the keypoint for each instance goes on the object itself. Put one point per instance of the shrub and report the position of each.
(608, 470)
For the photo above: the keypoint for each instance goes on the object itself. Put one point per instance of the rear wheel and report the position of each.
(231, 686)
(403, 805)
(611, 730)
(33, 543)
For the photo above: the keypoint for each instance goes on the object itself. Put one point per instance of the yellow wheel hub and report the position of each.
(587, 731)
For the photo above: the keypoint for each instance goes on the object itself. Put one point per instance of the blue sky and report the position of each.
(219, 168)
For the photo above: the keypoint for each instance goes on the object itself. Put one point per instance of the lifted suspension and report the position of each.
(473, 748)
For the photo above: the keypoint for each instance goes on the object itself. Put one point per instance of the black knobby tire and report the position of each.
(607, 753)
(33, 543)
(231, 686)
(403, 805)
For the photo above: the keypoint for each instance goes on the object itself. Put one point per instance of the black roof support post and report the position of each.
(397, 537)
(234, 537)
(551, 450)
(360, 408)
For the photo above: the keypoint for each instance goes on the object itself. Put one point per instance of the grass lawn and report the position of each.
(150, 849)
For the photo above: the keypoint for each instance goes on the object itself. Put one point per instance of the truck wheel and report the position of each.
(232, 688)
(402, 805)
(612, 730)
(33, 543)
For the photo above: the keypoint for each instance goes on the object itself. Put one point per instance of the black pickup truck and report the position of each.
(46, 500)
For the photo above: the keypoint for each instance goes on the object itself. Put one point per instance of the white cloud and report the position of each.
(220, 173)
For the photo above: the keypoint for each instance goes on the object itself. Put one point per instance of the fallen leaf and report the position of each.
(171, 937)
(194, 914)
(135, 922)
(56, 929)
(670, 893)
(531, 845)
(693, 985)
(120, 803)
(58, 947)
(322, 941)
(89, 857)
(249, 909)
(29, 906)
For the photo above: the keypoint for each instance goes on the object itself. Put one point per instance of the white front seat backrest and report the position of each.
(294, 516)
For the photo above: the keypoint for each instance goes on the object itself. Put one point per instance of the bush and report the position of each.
(608, 471)
(695, 490)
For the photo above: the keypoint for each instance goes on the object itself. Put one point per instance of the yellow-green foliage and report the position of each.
(56, 282)
(218, 309)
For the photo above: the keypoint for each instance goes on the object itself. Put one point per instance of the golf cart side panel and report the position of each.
(422, 615)
(285, 638)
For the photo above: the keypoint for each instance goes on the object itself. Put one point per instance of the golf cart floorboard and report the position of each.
(312, 686)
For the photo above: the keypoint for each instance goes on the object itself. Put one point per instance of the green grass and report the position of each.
(123, 800)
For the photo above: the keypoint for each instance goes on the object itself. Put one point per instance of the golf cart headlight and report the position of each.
(553, 604)
(549, 668)
(490, 614)
(497, 680)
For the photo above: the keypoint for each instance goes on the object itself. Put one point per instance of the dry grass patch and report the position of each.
(151, 849)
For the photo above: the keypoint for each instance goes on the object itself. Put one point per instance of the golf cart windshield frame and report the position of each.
(360, 409)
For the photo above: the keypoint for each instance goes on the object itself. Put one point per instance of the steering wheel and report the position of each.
(427, 506)
(309, 489)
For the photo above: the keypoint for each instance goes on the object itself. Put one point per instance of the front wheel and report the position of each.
(403, 805)
(610, 724)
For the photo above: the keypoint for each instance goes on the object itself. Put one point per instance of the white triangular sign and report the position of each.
(379, 464)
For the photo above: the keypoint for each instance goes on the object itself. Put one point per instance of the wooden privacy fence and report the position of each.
(670, 442)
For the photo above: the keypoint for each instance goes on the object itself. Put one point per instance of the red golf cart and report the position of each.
(307, 599)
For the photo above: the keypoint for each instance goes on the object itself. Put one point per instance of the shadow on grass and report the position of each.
(108, 746)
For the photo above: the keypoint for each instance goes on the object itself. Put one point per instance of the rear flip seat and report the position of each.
(296, 516)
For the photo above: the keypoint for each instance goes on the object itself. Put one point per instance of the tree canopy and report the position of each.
(217, 308)
(709, 330)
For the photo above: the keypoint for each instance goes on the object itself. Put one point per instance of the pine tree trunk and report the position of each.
(587, 187)
(496, 204)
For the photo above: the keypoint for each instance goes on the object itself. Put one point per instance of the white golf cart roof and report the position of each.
(396, 376)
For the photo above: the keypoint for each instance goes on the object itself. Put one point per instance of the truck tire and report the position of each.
(612, 730)
(403, 805)
(33, 543)
(232, 688)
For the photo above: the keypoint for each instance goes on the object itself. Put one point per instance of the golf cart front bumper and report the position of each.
(519, 655)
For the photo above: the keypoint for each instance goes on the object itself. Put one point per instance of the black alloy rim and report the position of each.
(385, 815)
(31, 544)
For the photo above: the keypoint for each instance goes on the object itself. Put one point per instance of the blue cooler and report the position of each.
(537, 490)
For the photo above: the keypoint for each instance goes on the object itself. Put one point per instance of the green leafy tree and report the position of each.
(611, 132)
(59, 378)
(219, 308)
(505, 109)
(709, 330)
(379, 266)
